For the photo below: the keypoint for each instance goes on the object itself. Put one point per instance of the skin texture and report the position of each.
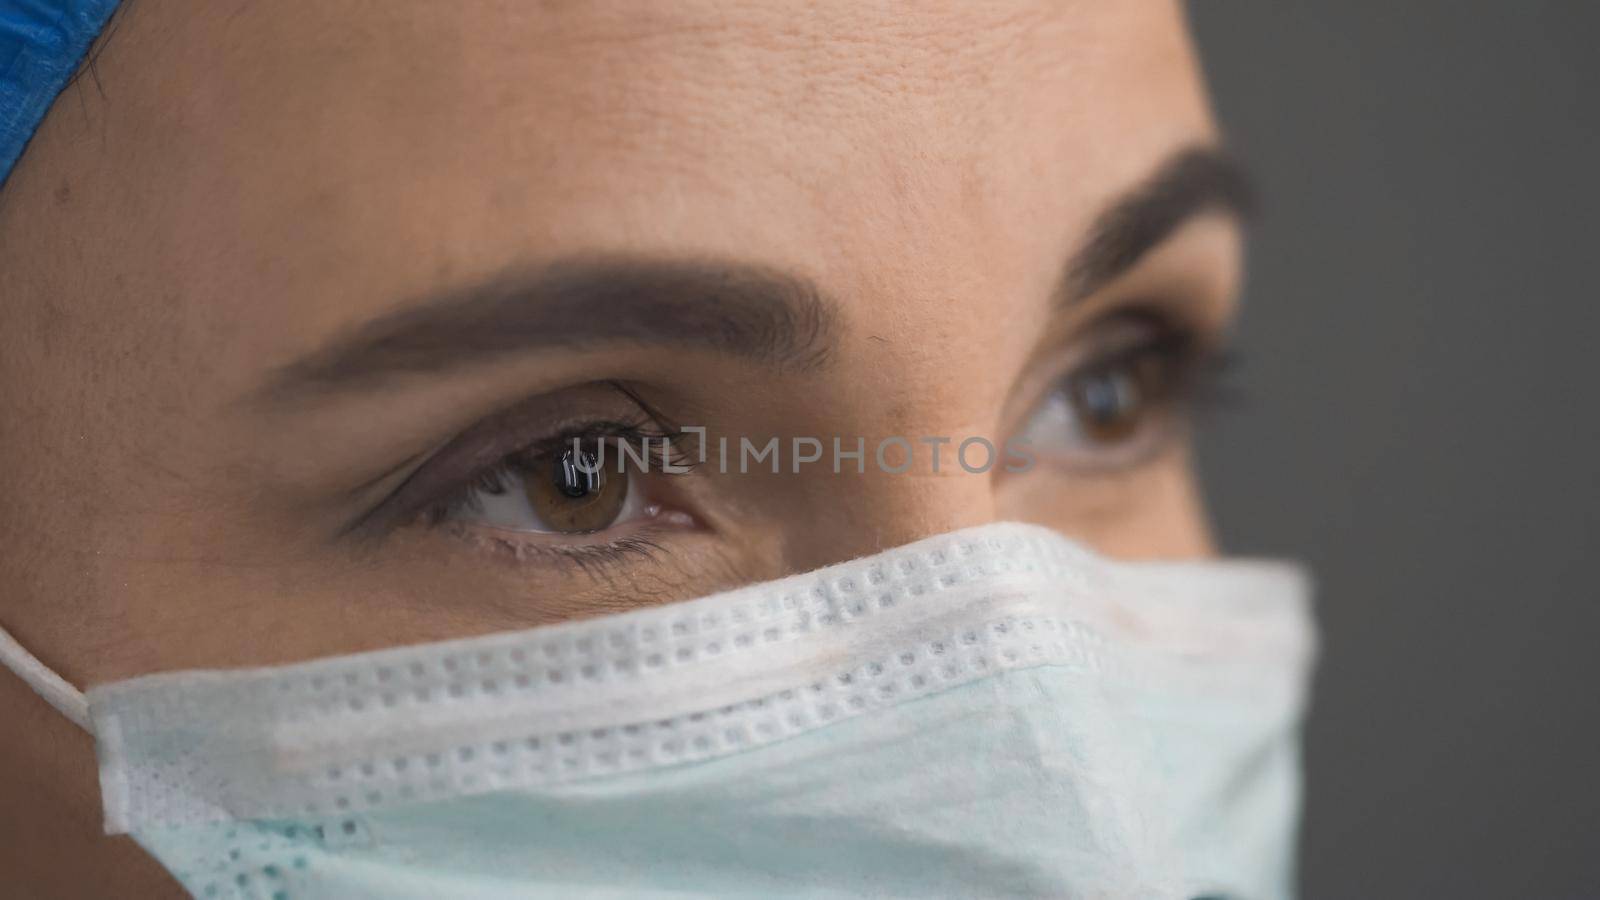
(250, 182)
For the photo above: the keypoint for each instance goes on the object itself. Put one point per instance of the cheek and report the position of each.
(1152, 512)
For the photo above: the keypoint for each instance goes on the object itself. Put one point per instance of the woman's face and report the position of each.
(304, 308)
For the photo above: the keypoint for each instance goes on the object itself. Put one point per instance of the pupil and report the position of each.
(1106, 397)
(573, 482)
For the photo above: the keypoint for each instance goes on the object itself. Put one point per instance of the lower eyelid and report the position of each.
(533, 548)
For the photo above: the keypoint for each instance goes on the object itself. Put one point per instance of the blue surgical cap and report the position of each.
(41, 44)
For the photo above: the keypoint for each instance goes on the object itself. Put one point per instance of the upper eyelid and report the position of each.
(1175, 343)
(1146, 326)
(475, 449)
(563, 438)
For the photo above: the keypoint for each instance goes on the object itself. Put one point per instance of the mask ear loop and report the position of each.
(68, 700)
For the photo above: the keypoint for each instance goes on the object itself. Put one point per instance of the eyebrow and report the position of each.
(1193, 182)
(744, 310)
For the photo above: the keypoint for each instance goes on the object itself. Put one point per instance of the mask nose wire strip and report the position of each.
(52, 687)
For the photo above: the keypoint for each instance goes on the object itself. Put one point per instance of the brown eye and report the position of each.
(1111, 401)
(1117, 408)
(573, 493)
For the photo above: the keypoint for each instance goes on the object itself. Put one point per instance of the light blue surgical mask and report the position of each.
(991, 713)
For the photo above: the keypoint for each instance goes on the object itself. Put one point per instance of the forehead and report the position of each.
(336, 157)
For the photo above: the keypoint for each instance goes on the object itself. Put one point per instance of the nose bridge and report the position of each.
(913, 479)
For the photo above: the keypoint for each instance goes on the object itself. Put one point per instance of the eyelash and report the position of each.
(587, 557)
(1199, 367)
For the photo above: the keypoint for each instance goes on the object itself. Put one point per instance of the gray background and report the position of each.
(1419, 357)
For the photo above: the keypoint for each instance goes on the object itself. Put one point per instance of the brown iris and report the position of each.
(572, 493)
(1111, 400)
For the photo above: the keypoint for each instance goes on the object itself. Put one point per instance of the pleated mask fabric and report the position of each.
(994, 712)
